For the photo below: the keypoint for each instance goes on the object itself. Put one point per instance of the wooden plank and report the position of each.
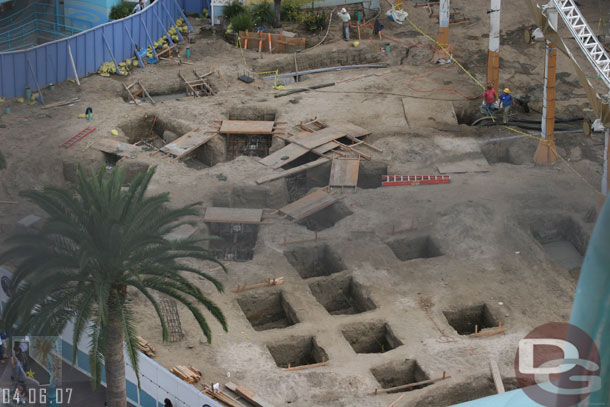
(187, 143)
(488, 332)
(344, 172)
(233, 215)
(248, 395)
(308, 205)
(116, 147)
(284, 156)
(317, 138)
(292, 171)
(495, 373)
(246, 127)
(307, 366)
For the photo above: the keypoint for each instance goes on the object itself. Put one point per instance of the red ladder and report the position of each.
(398, 180)
(77, 137)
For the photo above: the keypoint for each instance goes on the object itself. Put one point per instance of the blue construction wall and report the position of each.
(49, 63)
(94, 11)
(194, 6)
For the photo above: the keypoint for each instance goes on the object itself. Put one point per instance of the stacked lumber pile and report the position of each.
(220, 396)
(187, 373)
(145, 347)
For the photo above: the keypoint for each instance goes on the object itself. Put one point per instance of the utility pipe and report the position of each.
(546, 153)
(335, 68)
(493, 54)
(443, 23)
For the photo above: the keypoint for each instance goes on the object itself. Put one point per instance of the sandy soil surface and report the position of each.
(406, 260)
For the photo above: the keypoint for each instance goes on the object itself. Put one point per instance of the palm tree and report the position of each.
(95, 244)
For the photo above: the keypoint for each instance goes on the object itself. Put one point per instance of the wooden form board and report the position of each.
(320, 142)
(246, 127)
(119, 148)
(260, 41)
(308, 205)
(295, 170)
(344, 172)
(187, 143)
(248, 395)
(233, 215)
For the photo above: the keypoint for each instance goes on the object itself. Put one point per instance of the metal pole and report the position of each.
(493, 55)
(443, 23)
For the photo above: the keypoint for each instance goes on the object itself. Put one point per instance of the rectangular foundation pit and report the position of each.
(400, 373)
(341, 296)
(410, 248)
(235, 241)
(464, 320)
(563, 240)
(297, 352)
(268, 310)
(314, 261)
(371, 337)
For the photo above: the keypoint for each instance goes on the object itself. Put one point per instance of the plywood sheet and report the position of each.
(233, 215)
(432, 114)
(320, 142)
(344, 172)
(116, 147)
(187, 143)
(246, 127)
(308, 205)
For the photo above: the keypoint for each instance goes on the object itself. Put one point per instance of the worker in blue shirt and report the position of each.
(506, 100)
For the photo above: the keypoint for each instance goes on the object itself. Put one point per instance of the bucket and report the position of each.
(7, 110)
(188, 52)
(28, 93)
(51, 86)
(387, 48)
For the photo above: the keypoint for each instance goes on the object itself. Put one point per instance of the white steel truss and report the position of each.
(586, 38)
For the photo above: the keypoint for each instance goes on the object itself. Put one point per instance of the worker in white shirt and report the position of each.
(139, 7)
(345, 17)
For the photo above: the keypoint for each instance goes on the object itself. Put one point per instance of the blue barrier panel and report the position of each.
(51, 63)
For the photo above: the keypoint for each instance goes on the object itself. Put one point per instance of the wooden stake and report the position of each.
(407, 386)
(325, 363)
(495, 373)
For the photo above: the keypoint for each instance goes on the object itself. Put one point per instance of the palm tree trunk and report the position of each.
(114, 358)
(276, 8)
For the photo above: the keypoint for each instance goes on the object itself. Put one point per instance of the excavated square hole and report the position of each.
(400, 373)
(508, 151)
(465, 319)
(314, 261)
(327, 217)
(341, 296)
(268, 310)
(371, 337)
(297, 352)
(474, 388)
(409, 248)
(564, 241)
(236, 241)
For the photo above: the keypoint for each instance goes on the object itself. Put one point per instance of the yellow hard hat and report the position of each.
(506, 90)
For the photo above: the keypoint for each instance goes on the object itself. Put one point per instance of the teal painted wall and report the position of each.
(93, 11)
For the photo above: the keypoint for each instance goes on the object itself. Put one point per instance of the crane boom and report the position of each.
(585, 37)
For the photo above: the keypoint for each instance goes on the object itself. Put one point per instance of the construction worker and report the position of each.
(506, 100)
(139, 7)
(345, 17)
(489, 97)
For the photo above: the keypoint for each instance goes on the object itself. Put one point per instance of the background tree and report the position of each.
(95, 244)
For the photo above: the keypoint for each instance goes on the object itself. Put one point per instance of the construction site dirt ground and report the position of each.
(399, 276)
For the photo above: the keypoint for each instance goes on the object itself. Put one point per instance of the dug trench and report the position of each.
(467, 320)
(400, 373)
(268, 310)
(298, 351)
(371, 337)
(477, 387)
(314, 260)
(410, 248)
(342, 295)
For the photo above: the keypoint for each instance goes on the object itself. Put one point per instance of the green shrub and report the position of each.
(242, 22)
(314, 21)
(262, 13)
(234, 9)
(291, 11)
(122, 10)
